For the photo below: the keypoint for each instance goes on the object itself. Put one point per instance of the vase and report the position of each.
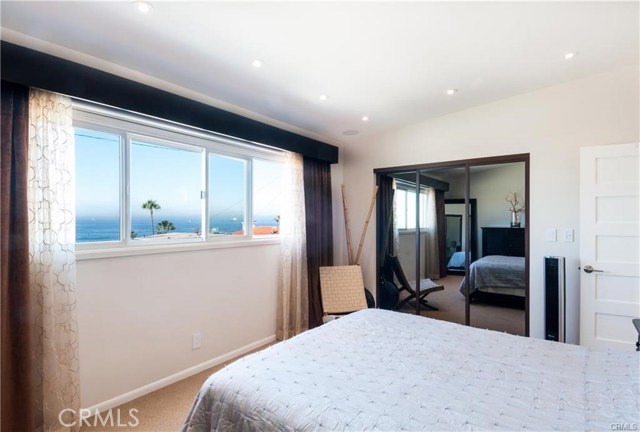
(515, 222)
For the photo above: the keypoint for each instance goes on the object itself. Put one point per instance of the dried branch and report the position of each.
(514, 202)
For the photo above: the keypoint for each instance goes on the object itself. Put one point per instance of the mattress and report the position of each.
(457, 260)
(382, 370)
(497, 274)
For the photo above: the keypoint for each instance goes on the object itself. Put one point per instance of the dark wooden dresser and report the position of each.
(502, 241)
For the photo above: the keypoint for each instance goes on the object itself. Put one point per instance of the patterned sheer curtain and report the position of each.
(293, 296)
(51, 203)
(395, 246)
(432, 249)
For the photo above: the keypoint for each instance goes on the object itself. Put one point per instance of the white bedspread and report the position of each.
(381, 370)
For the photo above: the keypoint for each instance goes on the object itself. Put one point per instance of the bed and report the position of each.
(456, 262)
(382, 370)
(497, 274)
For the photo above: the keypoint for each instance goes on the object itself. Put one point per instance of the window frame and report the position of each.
(407, 188)
(134, 127)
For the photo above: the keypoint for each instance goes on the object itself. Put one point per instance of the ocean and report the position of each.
(99, 229)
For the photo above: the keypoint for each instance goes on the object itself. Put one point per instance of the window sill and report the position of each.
(117, 252)
(410, 231)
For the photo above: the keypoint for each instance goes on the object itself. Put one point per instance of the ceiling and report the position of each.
(389, 61)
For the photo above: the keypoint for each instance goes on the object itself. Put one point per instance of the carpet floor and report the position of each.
(492, 311)
(163, 410)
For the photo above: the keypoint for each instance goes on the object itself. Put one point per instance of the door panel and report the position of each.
(610, 244)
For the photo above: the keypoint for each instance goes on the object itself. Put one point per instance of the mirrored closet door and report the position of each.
(438, 228)
(497, 276)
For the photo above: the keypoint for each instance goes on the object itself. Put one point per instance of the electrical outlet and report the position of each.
(196, 341)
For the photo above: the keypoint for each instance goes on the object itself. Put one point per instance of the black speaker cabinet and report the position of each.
(554, 294)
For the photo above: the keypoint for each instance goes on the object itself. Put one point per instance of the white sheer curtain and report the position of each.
(432, 258)
(395, 245)
(51, 202)
(293, 295)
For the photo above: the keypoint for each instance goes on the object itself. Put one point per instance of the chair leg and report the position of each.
(404, 302)
(424, 303)
(412, 298)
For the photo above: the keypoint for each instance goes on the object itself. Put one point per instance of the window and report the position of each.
(227, 195)
(97, 186)
(142, 181)
(405, 198)
(165, 192)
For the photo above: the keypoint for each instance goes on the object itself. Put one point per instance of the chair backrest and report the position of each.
(342, 289)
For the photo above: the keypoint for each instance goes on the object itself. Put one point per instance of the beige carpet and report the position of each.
(495, 312)
(163, 410)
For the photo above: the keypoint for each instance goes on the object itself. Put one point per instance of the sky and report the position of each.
(170, 176)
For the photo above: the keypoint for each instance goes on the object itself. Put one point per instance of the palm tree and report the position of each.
(166, 226)
(151, 205)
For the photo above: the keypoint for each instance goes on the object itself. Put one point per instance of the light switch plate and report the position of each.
(567, 235)
(552, 235)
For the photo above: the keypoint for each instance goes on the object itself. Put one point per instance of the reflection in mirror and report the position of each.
(454, 207)
(453, 237)
(444, 242)
(422, 253)
(443, 227)
(497, 277)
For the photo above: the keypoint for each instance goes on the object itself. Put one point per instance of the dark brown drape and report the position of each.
(442, 231)
(386, 292)
(16, 389)
(319, 226)
(384, 226)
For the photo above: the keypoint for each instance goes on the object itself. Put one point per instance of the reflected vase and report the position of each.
(515, 221)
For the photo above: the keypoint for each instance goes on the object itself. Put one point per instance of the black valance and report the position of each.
(36, 69)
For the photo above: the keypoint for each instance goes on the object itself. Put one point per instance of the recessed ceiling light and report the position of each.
(257, 63)
(324, 97)
(365, 118)
(143, 7)
(350, 132)
(570, 55)
(451, 91)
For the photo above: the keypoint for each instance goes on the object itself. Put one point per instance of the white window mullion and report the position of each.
(249, 197)
(205, 195)
(125, 202)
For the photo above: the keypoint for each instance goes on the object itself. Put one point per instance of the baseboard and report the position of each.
(156, 385)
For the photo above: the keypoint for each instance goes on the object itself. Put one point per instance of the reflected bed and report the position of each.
(497, 274)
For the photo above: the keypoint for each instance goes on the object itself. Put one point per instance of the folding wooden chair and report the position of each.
(342, 290)
(427, 286)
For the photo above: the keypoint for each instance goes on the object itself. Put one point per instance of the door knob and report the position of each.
(589, 269)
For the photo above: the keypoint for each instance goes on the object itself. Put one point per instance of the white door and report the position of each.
(609, 246)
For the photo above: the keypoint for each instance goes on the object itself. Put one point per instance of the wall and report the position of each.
(489, 187)
(137, 315)
(550, 124)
